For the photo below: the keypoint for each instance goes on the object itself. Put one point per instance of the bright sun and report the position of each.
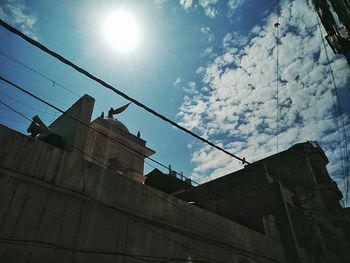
(121, 31)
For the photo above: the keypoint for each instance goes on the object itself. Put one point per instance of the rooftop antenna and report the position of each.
(276, 25)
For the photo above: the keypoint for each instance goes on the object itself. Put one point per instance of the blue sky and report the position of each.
(210, 65)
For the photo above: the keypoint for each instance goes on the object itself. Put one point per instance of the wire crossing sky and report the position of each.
(208, 65)
(115, 90)
(75, 119)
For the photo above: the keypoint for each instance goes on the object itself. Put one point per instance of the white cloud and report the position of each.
(207, 32)
(207, 52)
(186, 4)
(177, 82)
(209, 7)
(235, 105)
(14, 13)
(159, 2)
(233, 5)
(200, 70)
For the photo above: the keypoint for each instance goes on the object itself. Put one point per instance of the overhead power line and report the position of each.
(40, 74)
(142, 224)
(80, 122)
(71, 91)
(233, 247)
(339, 120)
(105, 135)
(276, 25)
(146, 258)
(82, 152)
(156, 195)
(12, 120)
(115, 90)
(7, 106)
(56, 108)
(26, 105)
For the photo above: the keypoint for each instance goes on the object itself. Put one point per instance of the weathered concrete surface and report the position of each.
(73, 132)
(294, 188)
(56, 207)
(110, 143)
(244, 196)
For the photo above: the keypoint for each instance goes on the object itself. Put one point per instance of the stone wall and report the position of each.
(58, 207)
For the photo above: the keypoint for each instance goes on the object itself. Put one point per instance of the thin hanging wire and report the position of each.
(276, 25)
(339, 118)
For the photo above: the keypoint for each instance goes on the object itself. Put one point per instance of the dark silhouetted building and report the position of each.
(74, 191)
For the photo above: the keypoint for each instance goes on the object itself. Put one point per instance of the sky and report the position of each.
(209, 65)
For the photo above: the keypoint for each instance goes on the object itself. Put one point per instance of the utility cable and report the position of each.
(45, 244)
(244, 208)
(77, 120)
(86, 125)
(276, 25)
(13, 120)
(113, 206)
(198, 236)
(339, 119)
(115, 90)
(54, 83)
(140, 219)
(7, 106)
(155, 195)
(177, 173)
(59, 110)
(26, 105)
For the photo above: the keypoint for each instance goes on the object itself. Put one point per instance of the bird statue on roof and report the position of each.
(112, 112)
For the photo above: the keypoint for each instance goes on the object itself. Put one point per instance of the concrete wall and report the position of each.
(75, 133)
(57, 207)
(101, 149)
(244, 196)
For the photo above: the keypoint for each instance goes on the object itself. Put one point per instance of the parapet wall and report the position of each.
(58, 206)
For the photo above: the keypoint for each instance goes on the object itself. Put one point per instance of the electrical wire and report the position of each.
(13, 120)
(54, 83)
(28, 106)
(45, 244)
(164, 166)
(27, 118)
(6, 109)
(113, 89)
(243, 160)
(59, 110)
(141, 219)
(60, 85)
(105, 167)
(79, 121)
(84, 124)
(113, 206)
(89, 127)
(339, 120)
(277, 24)
(78, 95)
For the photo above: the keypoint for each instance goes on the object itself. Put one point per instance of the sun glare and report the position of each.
(121, 31)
